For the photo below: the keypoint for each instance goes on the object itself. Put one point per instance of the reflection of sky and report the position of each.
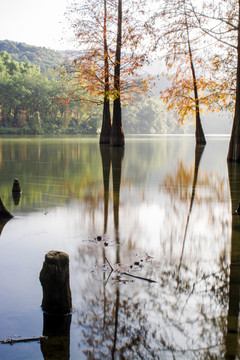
(152, 223)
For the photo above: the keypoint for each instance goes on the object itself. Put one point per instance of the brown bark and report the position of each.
(234, 145)
(106, 122)
(117, 135)
(199, 134)
(232, 333)
(54, 278)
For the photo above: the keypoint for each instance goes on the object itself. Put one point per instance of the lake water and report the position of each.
(164, 211)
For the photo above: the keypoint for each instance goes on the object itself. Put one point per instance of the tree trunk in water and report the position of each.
(106, 122)
(199, 134)
(234, 145)
(54, 277)
(117, 135)
(232, 329)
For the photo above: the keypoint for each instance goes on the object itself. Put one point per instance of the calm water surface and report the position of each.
(164, 211)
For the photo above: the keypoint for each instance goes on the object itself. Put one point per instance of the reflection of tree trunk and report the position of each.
(116, 322)
(198, 154)
(117, 155)
(106, 162)
(232, 345)
(57, 329)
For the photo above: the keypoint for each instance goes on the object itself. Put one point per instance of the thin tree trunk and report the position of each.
(234, 145)
(106, 122)
(199, 134)
(232, 325)
(117, 135)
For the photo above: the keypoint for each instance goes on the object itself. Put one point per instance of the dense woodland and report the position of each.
(34, 85)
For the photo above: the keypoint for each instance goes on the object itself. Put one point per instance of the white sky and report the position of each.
(35, 22)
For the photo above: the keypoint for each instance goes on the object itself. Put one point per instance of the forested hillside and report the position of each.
(21, 52)
(38, 94)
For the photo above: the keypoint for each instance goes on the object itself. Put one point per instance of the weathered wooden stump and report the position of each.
(54, 277)
(16, 191)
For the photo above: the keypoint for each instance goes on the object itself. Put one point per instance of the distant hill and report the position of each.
(41, 56)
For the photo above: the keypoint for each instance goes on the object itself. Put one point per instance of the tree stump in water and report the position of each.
(16, 191)
(54, 278)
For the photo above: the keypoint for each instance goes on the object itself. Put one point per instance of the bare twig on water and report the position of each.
(109, 264)
(139, 277)
(127, 274)
(12, 341)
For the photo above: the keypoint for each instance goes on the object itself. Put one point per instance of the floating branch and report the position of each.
(127, 274)
(12, 341)
(139, 277)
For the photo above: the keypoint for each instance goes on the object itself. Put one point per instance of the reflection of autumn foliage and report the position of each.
(180, 184)
(142, 321)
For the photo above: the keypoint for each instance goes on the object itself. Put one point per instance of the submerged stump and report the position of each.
(16, 191)
(54, 278)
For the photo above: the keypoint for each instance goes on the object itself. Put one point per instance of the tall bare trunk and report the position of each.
(234, 145)
(106, 122)
(199, 134)
(117, 135)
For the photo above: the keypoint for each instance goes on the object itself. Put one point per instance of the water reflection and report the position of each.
(163, 214)
(173, 318)
(57, 329)
(198, 154)
(232, 335)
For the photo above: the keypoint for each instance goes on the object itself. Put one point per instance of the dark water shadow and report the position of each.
(232, 334)
(57, 329)
(106, 165)
(3, 222)
(199, 149)
(113, 156)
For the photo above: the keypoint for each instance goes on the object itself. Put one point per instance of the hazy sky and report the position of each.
(35, 22)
